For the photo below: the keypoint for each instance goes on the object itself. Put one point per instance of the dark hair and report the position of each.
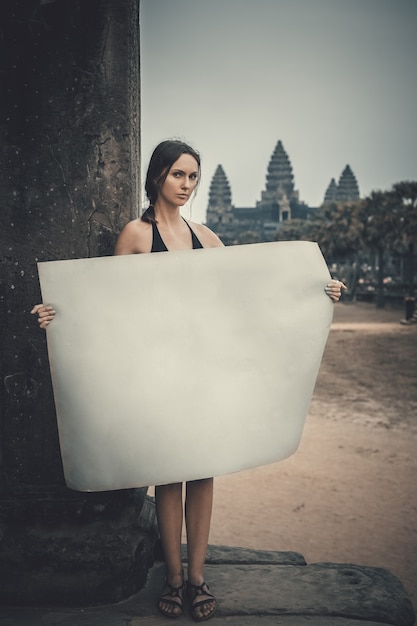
(161, 161)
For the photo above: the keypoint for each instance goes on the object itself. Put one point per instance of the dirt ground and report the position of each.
(348, 495)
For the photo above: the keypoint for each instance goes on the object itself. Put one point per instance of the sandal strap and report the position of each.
(172, 597)
(174, 591)
(171, 601)
(195, 605)
(201, 590)
(196, 591)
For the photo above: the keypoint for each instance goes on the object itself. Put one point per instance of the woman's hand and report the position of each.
(334, 289)
(45, 314)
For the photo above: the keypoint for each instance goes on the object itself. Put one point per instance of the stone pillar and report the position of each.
(69, 129)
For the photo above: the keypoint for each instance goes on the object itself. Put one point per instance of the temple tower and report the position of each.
(220, 209)
(348, 190)
(279, 201)
(220, 196)
(279, 174)
(331, 192)
(275, 204)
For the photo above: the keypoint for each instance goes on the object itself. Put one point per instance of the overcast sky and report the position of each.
(335, 80)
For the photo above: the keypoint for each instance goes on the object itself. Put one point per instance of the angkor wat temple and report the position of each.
(279, 202)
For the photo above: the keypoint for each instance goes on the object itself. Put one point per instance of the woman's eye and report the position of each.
(192, 177)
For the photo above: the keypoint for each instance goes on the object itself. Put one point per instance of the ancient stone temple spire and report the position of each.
(331, 192)
(219, 193)
(347, 190)
(219, 209)
(279, 173)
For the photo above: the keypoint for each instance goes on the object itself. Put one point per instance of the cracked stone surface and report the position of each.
(261, 591)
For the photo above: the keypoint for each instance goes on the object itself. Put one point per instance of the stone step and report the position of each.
(324, 590)
(255, 587)
(263, 620)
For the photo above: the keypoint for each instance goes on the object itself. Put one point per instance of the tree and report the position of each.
(338, 231)
(380, 231)
(383, 223)
(405, 197)
(390, 225)
(248, 236)
(293, 230)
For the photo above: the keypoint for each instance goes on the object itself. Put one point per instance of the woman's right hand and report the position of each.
(45, 314)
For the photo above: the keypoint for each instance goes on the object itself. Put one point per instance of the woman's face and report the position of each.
(180, 182)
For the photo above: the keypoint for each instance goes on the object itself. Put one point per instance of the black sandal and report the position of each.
(173, 597)
(200, 590)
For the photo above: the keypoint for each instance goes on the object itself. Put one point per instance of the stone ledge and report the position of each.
(117, 619)
(272, 593)
(225, 555)
(337, 590)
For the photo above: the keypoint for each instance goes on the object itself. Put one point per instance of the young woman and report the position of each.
(172, 178)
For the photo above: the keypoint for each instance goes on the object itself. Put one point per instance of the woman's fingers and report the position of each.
(334, 289)
(43, 310)
(36, 308)
(45, 314)
(44, 321)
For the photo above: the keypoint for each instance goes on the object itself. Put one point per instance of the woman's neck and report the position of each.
(167, 215)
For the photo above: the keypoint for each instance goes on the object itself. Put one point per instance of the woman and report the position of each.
(172, 178)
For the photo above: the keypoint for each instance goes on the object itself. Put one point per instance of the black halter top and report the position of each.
(158, 244)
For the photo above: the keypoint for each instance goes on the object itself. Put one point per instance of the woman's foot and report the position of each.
(202, 603)
(171, 601)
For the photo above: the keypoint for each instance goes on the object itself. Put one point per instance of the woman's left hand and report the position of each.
(334, 289)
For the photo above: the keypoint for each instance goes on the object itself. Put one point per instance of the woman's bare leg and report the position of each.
(169, 512)
(198, 507)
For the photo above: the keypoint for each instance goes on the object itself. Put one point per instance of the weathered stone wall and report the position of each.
(69, 182)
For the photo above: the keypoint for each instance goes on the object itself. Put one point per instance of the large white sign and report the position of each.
(183, 365)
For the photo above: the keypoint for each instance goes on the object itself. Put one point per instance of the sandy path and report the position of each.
(348, 494)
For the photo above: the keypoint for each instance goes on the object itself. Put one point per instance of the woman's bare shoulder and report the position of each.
(208, 238)
(135, 238)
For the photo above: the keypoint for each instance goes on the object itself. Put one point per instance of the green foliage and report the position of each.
(293, 230)
(405, 196)
(384, 221)
(248, 236)
(335, 227)
(379, 217)
(390, 218)
(338, 230)
(383, 224)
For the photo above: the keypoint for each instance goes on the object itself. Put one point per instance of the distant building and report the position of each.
(346, 191)
(279, 202)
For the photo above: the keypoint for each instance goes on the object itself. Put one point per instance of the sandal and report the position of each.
(194, 591)
(174, 598)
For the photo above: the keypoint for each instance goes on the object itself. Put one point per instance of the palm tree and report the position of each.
(338, 231)
(405, 197)
(380, 219)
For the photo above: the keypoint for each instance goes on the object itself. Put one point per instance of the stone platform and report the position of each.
(254, 587)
